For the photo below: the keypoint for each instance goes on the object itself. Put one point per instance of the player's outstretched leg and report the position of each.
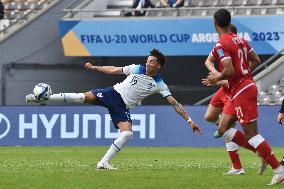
(259, 144)
(214, 115)
(234, 135)
(265, 151)
(60, 98)
(124, 136)
(237, 168)
(239, 138)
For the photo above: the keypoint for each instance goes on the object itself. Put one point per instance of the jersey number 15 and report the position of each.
(134, 80)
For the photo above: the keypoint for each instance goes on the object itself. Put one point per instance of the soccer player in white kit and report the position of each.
(141, 82)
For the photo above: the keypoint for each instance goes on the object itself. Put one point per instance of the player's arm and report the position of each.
(104, 69)
(181, 111)
(254, 60)
(209, 63)
(222, 83)
(206, 82)
(227, 72)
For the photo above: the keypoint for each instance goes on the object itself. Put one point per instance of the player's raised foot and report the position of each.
(105, 166)
(262, 166)
(235, 172)
(31, 98)
(277, 178)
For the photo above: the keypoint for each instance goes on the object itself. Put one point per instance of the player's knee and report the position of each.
(127, 134)
(90, 98)
(249, 135)
(250, 130)
(124, 126)
(209, 117)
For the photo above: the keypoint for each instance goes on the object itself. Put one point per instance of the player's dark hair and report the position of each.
(222, 17)
(232, 28)
(160, 56)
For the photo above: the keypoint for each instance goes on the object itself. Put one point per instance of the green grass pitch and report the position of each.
(139, 167)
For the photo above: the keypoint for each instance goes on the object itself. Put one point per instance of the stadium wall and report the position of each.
(271, 75)
(34, 54)
(91, 126)
(37, 43)
(25, 57)
(175, 36)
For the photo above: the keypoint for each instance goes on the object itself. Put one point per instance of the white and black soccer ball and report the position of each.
(42, 92)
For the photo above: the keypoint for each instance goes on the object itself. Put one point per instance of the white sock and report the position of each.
(256, 140)
(229, 134)
(279, 170)
(117, 145)
(231, 146)
(68, 97)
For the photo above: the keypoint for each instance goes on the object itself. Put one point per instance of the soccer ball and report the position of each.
(42, 92)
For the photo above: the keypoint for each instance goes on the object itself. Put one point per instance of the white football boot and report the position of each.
(277, 178)
(31, 98)
(105, 166)
(235, 172)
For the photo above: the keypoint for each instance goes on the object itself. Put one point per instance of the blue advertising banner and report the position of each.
(91, 126)
(173, 36)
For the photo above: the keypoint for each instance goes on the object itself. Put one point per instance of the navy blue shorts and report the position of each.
(112, 100)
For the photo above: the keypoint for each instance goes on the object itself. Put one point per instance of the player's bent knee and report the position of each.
(250, 135)
(90, 98)
(124, 126)
(209, 118)
(127, 134)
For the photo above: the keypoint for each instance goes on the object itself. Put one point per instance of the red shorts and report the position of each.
(245, 104)
(220, 100)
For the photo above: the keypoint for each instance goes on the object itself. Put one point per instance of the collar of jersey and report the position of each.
(142, 70)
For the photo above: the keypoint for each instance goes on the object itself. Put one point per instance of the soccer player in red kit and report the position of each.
(233, 53)
(221, 108)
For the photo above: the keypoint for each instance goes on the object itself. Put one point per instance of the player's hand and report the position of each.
(206, 83)
(195, 128)
(212, 78)
(280, 118)
(88, 66)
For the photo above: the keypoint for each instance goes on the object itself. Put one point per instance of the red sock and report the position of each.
(241, 140)
(266, 153)
(236, 162)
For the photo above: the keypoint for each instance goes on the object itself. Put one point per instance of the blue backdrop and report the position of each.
(176, 36)
(91, 125)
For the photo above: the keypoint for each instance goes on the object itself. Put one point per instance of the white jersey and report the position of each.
(138, 85)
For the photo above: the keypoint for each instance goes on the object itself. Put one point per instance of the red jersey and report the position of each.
(232, 46)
